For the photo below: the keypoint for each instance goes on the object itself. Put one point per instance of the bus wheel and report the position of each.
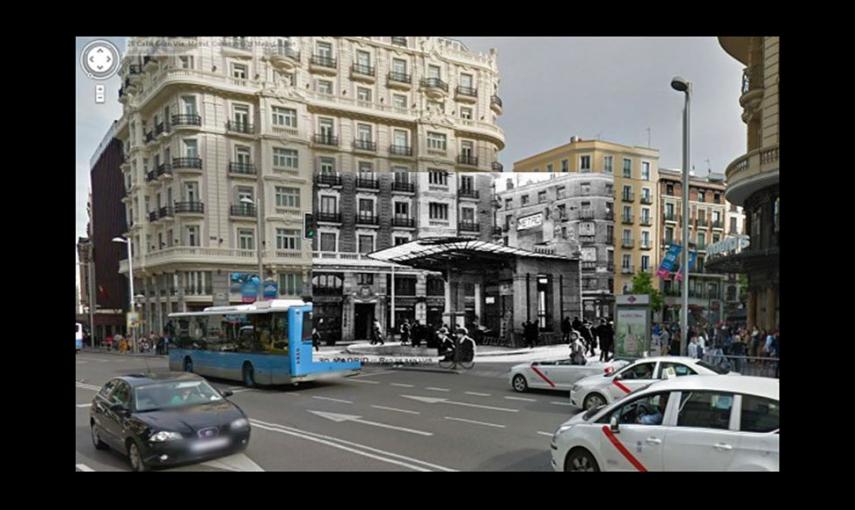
(188, 364)
(248, 375)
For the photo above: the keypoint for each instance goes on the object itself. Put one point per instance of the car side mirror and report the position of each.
(613, 424)
(119, 408)
(227, 393)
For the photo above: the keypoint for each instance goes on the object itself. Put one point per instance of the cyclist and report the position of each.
(467, 345)
(446, 344)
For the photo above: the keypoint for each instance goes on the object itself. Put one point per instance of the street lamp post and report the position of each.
(260, 291)
(681, 85)
(132, 308)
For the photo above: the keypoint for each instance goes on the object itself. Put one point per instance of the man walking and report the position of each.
(588, 337)
(565, 330)
(405, 332)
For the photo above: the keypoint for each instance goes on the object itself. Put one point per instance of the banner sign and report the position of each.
(271, 289)
(535, 220)
(669, 262)
(693, 256)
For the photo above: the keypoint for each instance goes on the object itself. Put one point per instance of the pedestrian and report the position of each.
(593, 338)
(416, 333)
(606, 335)
(565, 329)
(587, 336)
(405, 332)
(316, 339)
(377, 333)
(693, 347)
(577, 324)
(665, 341)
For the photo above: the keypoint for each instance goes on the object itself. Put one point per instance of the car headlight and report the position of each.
(240, 423)
(562, 429)
(575, 388)
(165, 436)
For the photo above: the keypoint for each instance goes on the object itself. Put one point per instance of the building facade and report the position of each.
(635, 171)
(752, 178)
(573, 206)
(357, 215)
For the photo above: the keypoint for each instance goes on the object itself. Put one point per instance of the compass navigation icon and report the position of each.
(100, 59)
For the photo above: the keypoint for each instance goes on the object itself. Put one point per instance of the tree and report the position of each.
(642, 283)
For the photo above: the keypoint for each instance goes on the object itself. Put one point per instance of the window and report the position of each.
(290, 284)
(433, 71)
(645, 259)
(627, 168)
(524, 200)
(328, 241)
(562, 211)
(400, 138)
(638, 371)
(400, 41)
(284, 158)
(776, 214)
(401, 240)
(468, 215)
(366, 207)
(716, 216)
(399, 66)
(702, 239)
(585, 163)
(366, 170)
(669, 211)
(327, 166)
(328, 205)
(541, 197)
(627, 260)
(466, 81)
(439, 177)
(436, 141)
(645, 170)
(586, 188)
(565, 165)
(627, 212)
(466, 113)
(363, 94)
(286, 117)
(402, 210)
(560, 191)
(363, 132)
(701, 196)
(509, 202)
(246, 239)
(365, 278)
(363, 59)
(122, 394)
(287, 197)
(717, 198)
(733, 225)
(287, 239)
(716, 238)
(679, 369)
(324, 49)
(325, 87)
(438, 211)
(186, 61)
(549, 168)
(366, 244)
(759, 414)
(669, 235)
(669, 189)
(399, 101)
(607, 164)
(645, 241)
(191, 149)
(646, 410)
(466, 148)
(239, 71)
(705, 409)
(467, 183)
(192, 235)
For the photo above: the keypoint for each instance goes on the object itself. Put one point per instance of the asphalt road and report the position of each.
(382, 420)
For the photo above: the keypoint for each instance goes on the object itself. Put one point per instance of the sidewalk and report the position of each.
(103, 350)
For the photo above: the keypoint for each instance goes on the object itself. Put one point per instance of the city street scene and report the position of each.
(427, 254)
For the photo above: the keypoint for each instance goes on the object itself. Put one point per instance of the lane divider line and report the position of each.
(437, 389)
(545, 433)
(364, 381)
(396, 409)
(401, 385)
(333, 399)
(477, 394)
(84, 405)
(522, 398)
(475, 422)
(561, 403)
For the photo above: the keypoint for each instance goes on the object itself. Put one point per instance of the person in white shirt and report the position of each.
(693, 347)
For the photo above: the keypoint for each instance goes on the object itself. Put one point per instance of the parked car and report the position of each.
(692, 423)
(166, 419)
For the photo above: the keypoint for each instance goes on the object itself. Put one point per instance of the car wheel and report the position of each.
(520, 384)
(96, 439)
(188, 364)
(248, 375)
(581, 460)
(593, 400)
(134, 455)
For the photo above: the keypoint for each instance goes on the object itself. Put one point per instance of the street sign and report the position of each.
(632, 299)
(133, 319)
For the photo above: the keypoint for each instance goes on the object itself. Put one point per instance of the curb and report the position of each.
(117, 353)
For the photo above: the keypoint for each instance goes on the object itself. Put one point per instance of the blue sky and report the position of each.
(553, 88)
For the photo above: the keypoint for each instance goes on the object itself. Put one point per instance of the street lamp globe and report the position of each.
(679, 84)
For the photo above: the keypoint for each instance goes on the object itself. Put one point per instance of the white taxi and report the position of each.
(693, 423)
(557, 374)
(597, 390)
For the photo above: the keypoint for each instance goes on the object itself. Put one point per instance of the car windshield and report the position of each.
(714, 368)
(175, 394)
(591, 412)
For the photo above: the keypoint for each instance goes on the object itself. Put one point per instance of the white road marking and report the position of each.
(437, 389)
(401, 385)
(475, 422)
(338, 418)
(396, 409)
(333, 399)
(365, 382)
(84, 405)
(477, 394)
(434, 400)
(236, 462)
(561, 403)
(232, 388)
(373, 373)
(545, 433)
(87, 386)
(241, 390)
(84, 467)
(522, 398)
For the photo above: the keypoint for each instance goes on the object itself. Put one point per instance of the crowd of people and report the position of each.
(729, 339)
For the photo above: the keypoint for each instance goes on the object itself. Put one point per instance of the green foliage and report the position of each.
(642, 283)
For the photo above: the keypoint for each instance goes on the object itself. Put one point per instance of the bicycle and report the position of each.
(451, 359)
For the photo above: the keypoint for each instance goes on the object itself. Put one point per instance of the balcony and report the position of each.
(589, 265)
(325, 140)
(610, 215)
(328, 217)
(192, 207)
(588, 239)
(404, 187)
(466, 94)
(165, 212)
(754, 171)
(718, 224)
(164, 170)
(161, 129)
(401, 150)
(752, 88)
(467, 159)
(610, 266)
(186, 120)
(328, 179)
(367, 219)
(365, 145)
(152, 216)
(628, 197)
(627, 270)
(701, 247)
(151, 176)
(646, 221)
(626, 219)
(237, 43)
(702, 222)
(586, 214)
(401, 221)
(367, 183)
(434, 87)
(468, 226)
(149, 137)
(286, 57)
(497, 167)
(646, 245)
(187, 163)
(242, 211)
(468, 193)
(401, 81)
(610, 240)
(241, 168)
(671, 217)
(646, 199)
(240, 127)
(496, 104)
(627, 242)
(362, 72)
(322, 64)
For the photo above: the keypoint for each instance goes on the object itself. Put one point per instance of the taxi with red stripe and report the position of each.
(558, 374)
(605, 388)
(692, 423)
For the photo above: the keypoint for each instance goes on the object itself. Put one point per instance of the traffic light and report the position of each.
(309, 226)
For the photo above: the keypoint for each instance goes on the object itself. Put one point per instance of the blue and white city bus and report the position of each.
(78, 339)
(259, 344)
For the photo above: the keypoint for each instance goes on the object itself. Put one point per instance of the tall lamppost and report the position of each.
(131, 306)
(260, 291)
(681, 85)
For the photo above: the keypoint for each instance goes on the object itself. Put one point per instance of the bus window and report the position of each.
(307, 326)
(279, 326)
